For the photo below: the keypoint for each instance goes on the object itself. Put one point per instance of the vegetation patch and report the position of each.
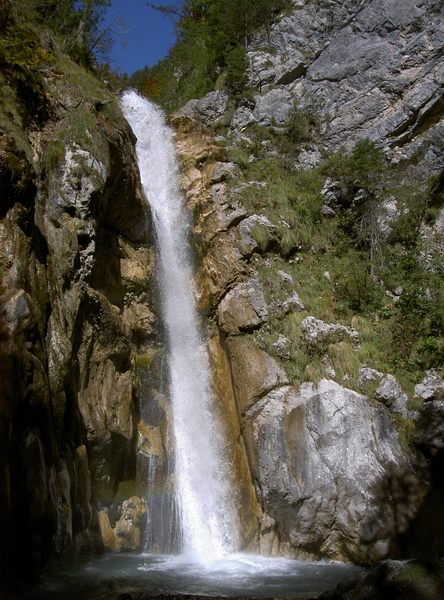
(369, 265)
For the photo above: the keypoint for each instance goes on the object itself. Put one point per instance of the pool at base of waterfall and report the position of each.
(138, 576)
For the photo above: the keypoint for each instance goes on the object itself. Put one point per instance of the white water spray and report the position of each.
(202, 481)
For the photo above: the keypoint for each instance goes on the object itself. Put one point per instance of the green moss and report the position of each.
(143, 361)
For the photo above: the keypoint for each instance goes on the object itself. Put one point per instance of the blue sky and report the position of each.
(147, 37)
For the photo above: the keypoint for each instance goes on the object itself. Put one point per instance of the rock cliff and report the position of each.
(76, 262)
(337, 454)
(337, 449)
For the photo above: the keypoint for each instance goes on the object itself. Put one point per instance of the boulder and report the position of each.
(128, 528)
(206, 110)
(126, 534)
(291, 304)
(222, 171)
(369, 375)
(390, 393)
(318, 335)
(281, 347)
(243, 308)
(331, 471)
(254, 372)
(431, 387)
(246, 234)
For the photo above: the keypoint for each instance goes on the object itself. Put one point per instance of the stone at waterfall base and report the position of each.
(126, 534)
(397, 580)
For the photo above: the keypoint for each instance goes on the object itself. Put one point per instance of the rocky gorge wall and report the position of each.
(323, 466)
(333, 473)
(76, 263)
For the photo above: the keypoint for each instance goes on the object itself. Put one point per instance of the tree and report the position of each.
(78, 23)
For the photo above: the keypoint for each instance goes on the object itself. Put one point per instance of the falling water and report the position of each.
(201, 473)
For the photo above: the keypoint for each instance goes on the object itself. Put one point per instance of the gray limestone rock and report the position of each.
(367, 374)
(371, 68)
(291, 304)
(308, 159)
(317, 334)
(206, 110)
(243, 308)
(222, 171)
(246, 240)
(390, 393)
(328, 463)
(281, 347)
(431, 387)
(273, 107)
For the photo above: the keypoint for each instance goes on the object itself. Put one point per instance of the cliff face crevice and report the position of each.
(76, 262)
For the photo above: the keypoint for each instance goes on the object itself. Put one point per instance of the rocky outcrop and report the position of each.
(126, 534)
(242, 308)
(390, 393)
(255, 373)
(328, 465)
(370, 69)
(76, 262)
(431, 387)
(331, 475)
(317, 334)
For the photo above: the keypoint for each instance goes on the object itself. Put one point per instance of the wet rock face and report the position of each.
(126, 533)
(76, 260)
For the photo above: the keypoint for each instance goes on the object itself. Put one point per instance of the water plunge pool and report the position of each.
(136, 576)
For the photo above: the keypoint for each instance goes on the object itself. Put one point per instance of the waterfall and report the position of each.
(201, 472)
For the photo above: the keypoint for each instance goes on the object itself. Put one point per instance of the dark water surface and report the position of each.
(242, 575)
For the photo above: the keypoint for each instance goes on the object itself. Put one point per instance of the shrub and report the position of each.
(353, 283)
(236, 64)
(300, 127)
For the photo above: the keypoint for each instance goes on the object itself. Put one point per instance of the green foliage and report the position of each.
(362, 168)
(406, 430)
(261, 234)
(21, 58)
(300, 127)
(54, 154)
(236, 64)
(211, 42)
(343, 265)
(78, 25)
(353, 282)
(418, 321)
